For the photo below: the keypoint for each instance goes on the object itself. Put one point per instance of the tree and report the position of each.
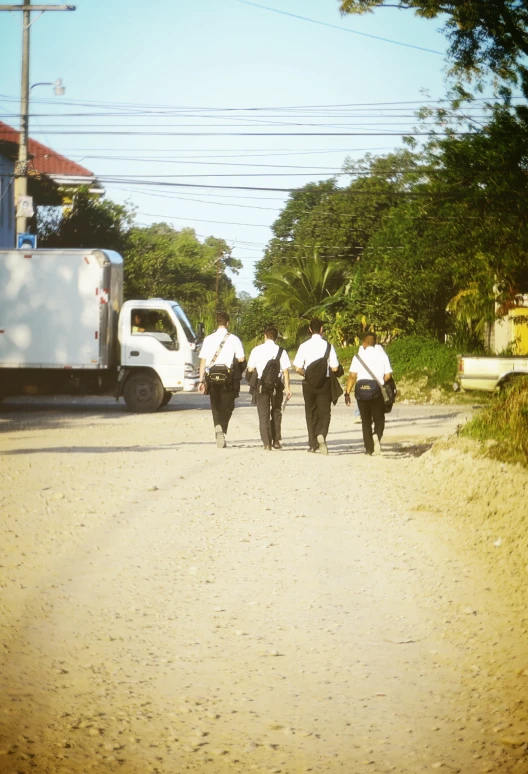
(483, 34)
(162, 262)
(89, 222)
(336, 222)
(307, 287)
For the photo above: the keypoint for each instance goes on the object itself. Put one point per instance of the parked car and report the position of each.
(490, 373)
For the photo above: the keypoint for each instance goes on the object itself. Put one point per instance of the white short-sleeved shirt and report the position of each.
(262, 354)
(232, 348)
(377, 360)
(312, 350)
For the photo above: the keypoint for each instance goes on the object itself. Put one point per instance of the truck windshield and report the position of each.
(186, 325)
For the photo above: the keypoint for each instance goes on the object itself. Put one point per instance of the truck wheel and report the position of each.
(143, 393)
(166, 399)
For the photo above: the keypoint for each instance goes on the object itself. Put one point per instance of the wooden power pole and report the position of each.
(21, 170)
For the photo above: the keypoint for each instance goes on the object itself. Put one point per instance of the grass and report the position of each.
(502, 426)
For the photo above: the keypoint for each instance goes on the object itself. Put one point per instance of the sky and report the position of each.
(189, 109)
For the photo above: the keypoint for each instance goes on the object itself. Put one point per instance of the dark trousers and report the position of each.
(222, 405)
(372, 411)
(317, 406)
(269, 407)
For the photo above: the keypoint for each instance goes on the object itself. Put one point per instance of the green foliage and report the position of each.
(428, 238)
(503, 424)
(89, 222)
(483, 34)
(161, 262)
(306, 287)
(420, 358)
(253, 317)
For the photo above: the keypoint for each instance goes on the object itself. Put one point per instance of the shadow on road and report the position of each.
(390, 450)
(17, 414)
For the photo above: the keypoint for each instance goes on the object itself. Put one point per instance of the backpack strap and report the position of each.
(279, 354)
(365, 366)
(328, 348)
(217, 353)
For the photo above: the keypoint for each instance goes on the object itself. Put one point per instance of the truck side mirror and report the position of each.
(201, 331)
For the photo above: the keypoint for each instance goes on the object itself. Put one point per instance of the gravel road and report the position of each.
(166, 606)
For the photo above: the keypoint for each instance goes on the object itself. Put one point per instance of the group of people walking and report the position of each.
(223, 364)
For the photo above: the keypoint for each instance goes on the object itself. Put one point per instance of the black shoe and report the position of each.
(311, 450)
(277, 445)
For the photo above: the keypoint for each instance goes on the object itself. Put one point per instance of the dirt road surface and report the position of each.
(166, 606)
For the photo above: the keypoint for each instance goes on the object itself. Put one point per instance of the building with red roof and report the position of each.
(53, 179)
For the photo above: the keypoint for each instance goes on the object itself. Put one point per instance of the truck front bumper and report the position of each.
(191, 384)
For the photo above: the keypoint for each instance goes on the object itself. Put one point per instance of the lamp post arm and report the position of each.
(41, 8)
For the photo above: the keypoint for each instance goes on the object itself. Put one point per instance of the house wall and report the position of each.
(511, 330)
(7, 206)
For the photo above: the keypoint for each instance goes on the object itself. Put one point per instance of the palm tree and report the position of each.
(473, 310)
(307, 287)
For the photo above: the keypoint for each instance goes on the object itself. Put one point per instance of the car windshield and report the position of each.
(186, 325)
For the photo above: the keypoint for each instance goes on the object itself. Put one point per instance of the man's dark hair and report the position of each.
(369, 335)
(316, 325)
(222, 318)
(271, 332)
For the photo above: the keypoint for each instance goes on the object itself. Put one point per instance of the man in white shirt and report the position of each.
(316, 391)
(269, 398)
(225, 350)
(368, 392)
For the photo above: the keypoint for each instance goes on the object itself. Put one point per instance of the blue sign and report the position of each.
(27, 241)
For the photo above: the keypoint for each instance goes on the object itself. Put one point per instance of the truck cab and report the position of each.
(157, 345)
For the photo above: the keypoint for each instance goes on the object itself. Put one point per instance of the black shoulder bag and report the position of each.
(364, 389)
(316, 373)
(218, 374)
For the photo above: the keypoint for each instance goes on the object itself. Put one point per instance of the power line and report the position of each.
(135, 106)
(342, 29)
(74, 132)
(202, 220)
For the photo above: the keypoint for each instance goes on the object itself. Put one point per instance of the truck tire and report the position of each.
(166, 399)
(143, 392)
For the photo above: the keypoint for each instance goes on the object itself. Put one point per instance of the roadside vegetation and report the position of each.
(502, 426)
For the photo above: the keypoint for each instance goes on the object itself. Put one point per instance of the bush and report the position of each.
(503, 424)
(417, 357)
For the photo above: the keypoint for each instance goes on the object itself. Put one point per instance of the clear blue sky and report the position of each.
(218, 54)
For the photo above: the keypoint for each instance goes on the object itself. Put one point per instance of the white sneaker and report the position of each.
(377, 445)
(323, 448)
(357, 420)
(220, 437)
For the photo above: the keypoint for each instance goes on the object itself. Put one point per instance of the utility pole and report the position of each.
(218, 261)
(21, 170)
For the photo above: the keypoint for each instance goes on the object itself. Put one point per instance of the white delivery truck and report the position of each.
(64, 330)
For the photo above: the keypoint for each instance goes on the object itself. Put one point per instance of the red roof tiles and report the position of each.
(43, 160)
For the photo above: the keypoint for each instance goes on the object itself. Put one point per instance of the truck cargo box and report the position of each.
(59, 308)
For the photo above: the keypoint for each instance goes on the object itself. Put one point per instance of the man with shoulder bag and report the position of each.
(370, 373)
(315, 360)
(271, 363)
(221, 364)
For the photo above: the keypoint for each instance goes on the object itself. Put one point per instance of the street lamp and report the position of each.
(24, 203)
(58, 89)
